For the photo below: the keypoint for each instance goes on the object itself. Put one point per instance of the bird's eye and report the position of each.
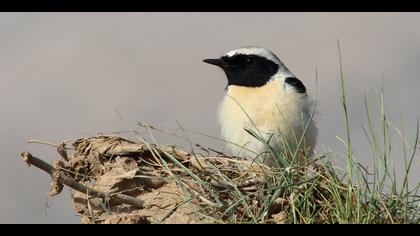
(249, 61)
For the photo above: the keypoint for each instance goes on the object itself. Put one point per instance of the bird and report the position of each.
(266, 112)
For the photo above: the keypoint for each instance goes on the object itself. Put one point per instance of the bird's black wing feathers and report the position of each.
(296, 83)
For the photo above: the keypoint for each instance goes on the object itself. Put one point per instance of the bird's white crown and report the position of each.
(254, 50)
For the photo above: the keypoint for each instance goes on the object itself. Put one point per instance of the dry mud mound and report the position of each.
(119, 181)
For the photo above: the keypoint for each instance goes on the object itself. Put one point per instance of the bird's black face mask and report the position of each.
(246, 70)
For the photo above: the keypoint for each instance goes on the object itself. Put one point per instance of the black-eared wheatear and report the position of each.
(263, 99)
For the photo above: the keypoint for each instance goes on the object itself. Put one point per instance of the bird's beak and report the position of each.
(217, 62)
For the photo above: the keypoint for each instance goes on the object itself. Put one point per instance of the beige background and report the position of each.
(63, 74)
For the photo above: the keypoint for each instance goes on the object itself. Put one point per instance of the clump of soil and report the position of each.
(170, 185)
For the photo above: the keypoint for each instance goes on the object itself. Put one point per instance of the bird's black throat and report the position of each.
(246, 70)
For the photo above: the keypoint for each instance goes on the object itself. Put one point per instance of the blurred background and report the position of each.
(63, 75)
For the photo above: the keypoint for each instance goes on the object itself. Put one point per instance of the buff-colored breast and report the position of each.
(267, 109)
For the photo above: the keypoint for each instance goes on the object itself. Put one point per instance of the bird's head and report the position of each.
(249, 66)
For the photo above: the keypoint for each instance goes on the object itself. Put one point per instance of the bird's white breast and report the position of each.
(268, 109)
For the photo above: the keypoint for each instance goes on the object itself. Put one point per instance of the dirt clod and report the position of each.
(172, 185)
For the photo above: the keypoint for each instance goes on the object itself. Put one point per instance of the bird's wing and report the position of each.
(296, 84)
